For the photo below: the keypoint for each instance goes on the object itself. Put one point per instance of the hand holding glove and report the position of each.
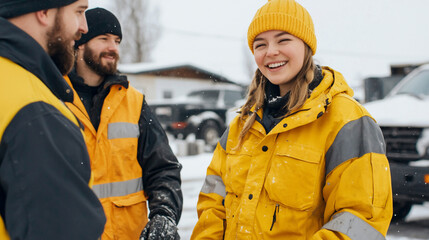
(160, 227)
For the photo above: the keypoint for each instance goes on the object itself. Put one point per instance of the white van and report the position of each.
(403, 116)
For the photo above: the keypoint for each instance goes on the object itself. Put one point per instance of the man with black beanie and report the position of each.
(131, 160)
(45, 173)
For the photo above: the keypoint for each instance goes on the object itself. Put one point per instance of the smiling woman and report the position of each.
(279, 56)
(301, 150)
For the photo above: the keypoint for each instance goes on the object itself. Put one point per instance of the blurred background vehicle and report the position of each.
(403, 116)
(201, 113)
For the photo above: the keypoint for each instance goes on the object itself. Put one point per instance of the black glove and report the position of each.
(160, 227)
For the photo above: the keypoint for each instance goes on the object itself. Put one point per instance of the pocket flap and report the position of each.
(130, 200)
(301, 152)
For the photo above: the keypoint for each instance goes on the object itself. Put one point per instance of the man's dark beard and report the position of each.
(95, 64)
(60, 48)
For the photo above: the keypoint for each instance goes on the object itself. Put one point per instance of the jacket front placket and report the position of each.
(260, 161)
(102, 148)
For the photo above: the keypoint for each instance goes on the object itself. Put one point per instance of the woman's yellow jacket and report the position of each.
(321, 173)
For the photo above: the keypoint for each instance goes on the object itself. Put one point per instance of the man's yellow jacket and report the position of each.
(320, 173)
(44, 164)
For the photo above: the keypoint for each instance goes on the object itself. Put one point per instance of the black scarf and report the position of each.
(275, 105)
(93, 97)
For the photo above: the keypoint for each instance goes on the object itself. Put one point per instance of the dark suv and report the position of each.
(201, 112)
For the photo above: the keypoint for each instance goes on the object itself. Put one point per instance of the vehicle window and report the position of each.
(418, 85)
(210, 97)
(164, 114)
(231, 97)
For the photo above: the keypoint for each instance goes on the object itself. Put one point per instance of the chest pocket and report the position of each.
(293, 177)
(123, 141)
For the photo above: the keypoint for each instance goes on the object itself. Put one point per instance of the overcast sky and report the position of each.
(358, 38)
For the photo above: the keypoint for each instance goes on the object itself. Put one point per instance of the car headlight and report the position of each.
(423, 143)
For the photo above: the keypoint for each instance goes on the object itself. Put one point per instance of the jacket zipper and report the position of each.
(276, 210)
(224, 228)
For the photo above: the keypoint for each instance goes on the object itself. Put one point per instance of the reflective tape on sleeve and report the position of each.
(122, 130)
(117, 189)
(354, 227)
(214, 184)
(224, 139)
(354, 140)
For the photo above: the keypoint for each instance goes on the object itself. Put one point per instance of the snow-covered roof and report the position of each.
(159, 68)
(136, 68)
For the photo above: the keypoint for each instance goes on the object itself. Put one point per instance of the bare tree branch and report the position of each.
(249, 61)
(140, 29)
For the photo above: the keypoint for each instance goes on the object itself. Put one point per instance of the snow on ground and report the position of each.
(401, 238)
(193, 175)
(418, 212)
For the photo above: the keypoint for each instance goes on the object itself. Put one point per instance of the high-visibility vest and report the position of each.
(113, 155)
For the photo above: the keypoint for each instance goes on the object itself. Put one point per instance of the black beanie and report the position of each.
(15, 8)
(100, 21)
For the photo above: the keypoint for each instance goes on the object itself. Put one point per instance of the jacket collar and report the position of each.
(109, 80)
(332, 84)
(275, 104)
(22, 49)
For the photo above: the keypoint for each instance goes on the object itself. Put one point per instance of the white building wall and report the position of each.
(144, 84)
(155, 87)
(181, 86)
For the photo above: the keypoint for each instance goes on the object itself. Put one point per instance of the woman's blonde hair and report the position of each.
(256, 93)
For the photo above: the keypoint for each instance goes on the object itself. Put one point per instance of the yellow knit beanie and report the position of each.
(283, 15)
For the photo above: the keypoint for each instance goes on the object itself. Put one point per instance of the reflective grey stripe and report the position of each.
(354, 227)
(117, 189)
(354, 140)
(122, 130)
(214, 184)
(224, 139)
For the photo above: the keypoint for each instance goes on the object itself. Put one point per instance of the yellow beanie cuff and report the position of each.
(283, 15)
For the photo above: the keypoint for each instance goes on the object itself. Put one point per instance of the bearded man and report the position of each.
(131, 160)
(44, 164)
